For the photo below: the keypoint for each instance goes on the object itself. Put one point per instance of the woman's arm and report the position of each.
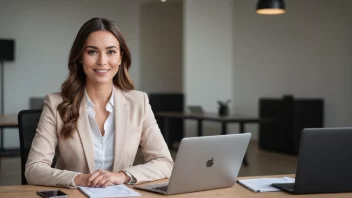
(156, 153)
(38, 167)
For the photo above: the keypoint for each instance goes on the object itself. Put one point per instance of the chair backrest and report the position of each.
(27, 125)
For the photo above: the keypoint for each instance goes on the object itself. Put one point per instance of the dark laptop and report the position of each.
(324, 162)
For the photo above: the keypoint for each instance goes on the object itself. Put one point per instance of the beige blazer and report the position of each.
(135, 126)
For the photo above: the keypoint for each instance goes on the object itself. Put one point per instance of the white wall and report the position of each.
(305, 52)
(44, 32)
(161, 46)
(208, 52)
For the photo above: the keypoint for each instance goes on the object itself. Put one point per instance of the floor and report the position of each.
(260, 163)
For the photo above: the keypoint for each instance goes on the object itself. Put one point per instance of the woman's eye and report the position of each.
(91, 52)
(111, 52)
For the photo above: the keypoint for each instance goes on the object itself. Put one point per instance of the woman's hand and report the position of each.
(101, 178)
(81, 179)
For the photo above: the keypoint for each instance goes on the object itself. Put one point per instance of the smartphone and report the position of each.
(52, 194)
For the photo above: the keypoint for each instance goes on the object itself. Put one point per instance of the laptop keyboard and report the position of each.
(161, 188)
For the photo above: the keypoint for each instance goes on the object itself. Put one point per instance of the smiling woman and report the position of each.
(101, 59)
(96, 124)
(93, 65)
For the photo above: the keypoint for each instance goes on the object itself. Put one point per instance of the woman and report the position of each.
(96, 124)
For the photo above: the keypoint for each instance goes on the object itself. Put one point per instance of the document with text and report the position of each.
(111, 191)
(264, 184)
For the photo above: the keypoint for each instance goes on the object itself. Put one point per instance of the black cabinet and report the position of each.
(288, 116)
(169, 102)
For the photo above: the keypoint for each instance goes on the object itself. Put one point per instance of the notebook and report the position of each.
(111, 191)
(264, 184)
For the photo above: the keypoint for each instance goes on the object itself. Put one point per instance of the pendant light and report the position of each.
(271, 7)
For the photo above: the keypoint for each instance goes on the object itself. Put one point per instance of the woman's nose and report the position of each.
(102, 59)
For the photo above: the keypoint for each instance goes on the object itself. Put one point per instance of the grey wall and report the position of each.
(161, 46)
(231, 52)
(306, 52)
(44, 32)
(208, 52)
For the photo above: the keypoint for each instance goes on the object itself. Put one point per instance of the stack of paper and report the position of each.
(111, 191)
(264, 184)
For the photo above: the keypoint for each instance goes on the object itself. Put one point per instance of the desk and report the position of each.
(29, 191)
(200, 117)
(7, 121)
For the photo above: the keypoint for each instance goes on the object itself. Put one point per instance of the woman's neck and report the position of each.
(99, 94)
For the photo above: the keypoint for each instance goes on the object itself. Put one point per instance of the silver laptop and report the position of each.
(204, 163)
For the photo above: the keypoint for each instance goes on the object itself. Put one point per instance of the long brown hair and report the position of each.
(72, 90)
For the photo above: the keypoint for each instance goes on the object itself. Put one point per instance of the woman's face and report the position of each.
(101, 57)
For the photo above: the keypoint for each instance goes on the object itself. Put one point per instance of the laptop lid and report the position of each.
(207, 162)
(324, 161)
(196, 109)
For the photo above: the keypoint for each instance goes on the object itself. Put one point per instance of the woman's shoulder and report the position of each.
(135, 93)
(53, 98)
(134, 96)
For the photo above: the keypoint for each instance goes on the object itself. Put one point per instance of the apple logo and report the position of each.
(210, 162)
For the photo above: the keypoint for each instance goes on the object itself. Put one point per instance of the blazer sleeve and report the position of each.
(38, 167)
(159, 163)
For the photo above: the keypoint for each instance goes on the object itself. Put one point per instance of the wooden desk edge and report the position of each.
(29, 191)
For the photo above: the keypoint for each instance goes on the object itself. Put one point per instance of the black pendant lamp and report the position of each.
(271, 7)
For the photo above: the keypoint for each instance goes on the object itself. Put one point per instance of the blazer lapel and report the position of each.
(84, 133)
(121, 116)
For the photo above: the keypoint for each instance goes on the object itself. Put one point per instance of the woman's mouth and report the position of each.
(101, 71)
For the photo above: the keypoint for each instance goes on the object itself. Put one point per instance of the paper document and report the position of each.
(111, 191)
(264, 184)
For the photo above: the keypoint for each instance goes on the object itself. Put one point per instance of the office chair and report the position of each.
(27, 125)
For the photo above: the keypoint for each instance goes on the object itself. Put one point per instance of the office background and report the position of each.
(209, 50)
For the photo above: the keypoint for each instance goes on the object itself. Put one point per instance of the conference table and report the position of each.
(29, 191)
(214, 117)
(7, 121)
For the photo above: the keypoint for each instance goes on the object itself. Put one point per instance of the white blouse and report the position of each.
(103, 145)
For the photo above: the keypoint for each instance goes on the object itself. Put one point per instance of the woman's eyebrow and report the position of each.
(89, 46)
(109, 47)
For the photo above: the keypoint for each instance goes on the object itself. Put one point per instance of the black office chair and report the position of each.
(27, 125)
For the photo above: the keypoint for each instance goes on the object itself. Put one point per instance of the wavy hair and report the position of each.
(72, 90)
